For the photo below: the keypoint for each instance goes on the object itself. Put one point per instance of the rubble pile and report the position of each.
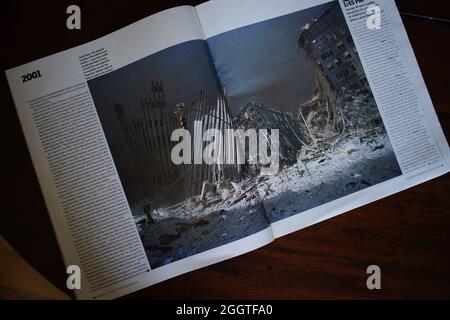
(353, 165)
(334, 146)
(348, 161)
(361, 112)
(292, 132)
(362, 139)
(215, 198)
(229, 210)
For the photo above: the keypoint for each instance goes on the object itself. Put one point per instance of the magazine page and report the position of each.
(107, 125)
(355, 120)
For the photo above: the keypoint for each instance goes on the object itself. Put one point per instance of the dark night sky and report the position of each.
(262, 62)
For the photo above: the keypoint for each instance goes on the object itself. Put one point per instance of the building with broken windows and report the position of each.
(339, 74)
(328, 42)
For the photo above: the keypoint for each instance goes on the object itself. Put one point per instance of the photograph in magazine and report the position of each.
(214, 140)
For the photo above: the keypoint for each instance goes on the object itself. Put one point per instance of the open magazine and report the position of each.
(201, 133)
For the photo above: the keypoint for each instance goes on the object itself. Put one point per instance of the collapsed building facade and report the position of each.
(329, 47)
(148, 139)
(216, 117)
(149, 146)
(291, 131)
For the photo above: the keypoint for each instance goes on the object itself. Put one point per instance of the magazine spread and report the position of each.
(201, 133)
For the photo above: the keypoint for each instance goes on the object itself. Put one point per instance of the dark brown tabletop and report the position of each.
(407, 234)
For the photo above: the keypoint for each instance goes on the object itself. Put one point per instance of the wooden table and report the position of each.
(407, 234)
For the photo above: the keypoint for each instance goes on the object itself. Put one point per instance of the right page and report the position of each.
(339, 82)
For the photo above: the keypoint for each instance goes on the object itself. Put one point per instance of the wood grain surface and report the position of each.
(407, 234)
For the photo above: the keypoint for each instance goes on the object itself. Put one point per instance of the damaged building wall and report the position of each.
(149, 145)
(328, 45)
(292, 137)
(218, 117)
(328, 42)
(148, 139)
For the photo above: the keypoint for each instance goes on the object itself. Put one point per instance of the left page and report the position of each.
(98, 121)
